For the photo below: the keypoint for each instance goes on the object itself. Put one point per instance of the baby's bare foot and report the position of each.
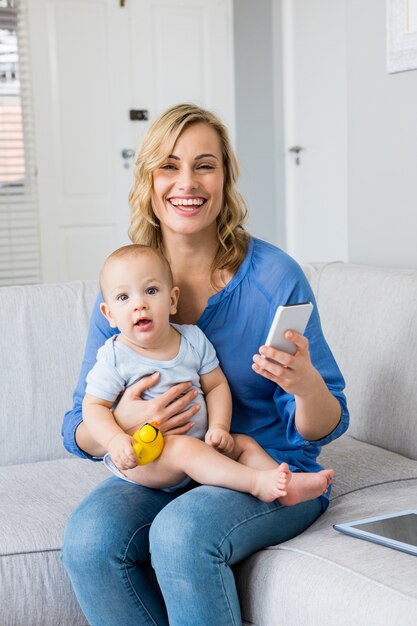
(272, 484)
(307, 486)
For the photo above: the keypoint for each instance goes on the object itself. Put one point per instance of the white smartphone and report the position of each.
(288, 317)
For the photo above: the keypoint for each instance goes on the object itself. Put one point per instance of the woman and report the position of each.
(184, 201)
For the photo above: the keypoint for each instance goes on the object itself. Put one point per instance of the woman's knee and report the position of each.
(87, 540)
(111, 525)
(180, 532)
(193, 530)
(170, 531)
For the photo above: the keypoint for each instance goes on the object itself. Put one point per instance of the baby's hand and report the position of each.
(220, 439)
(121, 452)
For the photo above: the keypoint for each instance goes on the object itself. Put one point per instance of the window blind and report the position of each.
(19, 227)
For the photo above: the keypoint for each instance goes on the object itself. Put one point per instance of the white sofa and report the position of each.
(321, 578)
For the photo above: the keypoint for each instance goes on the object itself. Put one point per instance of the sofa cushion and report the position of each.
(37, 499)
(358, 582)
(42, 341)
(360, 465)
(324, 577)
(313, 272)
(369, 318)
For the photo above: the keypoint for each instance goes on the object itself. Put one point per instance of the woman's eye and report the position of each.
(123, 297)
(168, 166)
(151, 291)
(206, 166)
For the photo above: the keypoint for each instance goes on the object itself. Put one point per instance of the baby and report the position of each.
(139, 298)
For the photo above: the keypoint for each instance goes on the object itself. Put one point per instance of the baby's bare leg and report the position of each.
(300, 486)
(248, 452)
(161, 473)
(185, 456)
(307, 486)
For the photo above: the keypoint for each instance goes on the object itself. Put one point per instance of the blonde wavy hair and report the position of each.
(157, 145)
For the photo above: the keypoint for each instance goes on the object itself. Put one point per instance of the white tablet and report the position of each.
(396, 530)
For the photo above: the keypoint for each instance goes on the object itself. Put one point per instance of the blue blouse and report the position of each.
(236, 321)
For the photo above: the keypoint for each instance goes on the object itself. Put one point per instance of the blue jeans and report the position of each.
(195, 537)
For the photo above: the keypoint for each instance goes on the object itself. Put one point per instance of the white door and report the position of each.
(315, 129)
(182, 51)
(94, 61)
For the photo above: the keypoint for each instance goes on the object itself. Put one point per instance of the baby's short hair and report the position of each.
(136, 250)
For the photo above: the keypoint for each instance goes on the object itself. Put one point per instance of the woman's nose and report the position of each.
(187, 180)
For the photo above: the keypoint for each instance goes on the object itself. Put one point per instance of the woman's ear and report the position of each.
(175, 293)
(107, 314)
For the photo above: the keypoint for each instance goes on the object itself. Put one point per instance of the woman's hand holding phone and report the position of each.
(285, 357)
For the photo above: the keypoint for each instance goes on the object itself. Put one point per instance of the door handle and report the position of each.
(128, 153)
(296, 151)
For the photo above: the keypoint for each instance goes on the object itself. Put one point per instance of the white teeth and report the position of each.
(187, 201)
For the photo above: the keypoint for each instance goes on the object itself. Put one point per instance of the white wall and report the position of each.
(315, 116)
(381, 127)
(382, 145)
(259, 117)
(381, 132)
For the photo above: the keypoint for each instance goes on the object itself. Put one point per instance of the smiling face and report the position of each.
(139, 299)
(187, 194)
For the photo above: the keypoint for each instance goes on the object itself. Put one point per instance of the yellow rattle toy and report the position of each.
(149, 443)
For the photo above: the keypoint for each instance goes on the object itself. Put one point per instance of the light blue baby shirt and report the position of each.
(118, 366)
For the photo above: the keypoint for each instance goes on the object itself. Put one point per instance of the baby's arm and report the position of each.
(219, 410)
(100, 422)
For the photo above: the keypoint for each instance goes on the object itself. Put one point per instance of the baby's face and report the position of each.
(139, 298)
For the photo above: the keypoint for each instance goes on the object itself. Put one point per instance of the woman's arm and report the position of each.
(76, 438)
(167, 409)
(132, 412)
(318, 412)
